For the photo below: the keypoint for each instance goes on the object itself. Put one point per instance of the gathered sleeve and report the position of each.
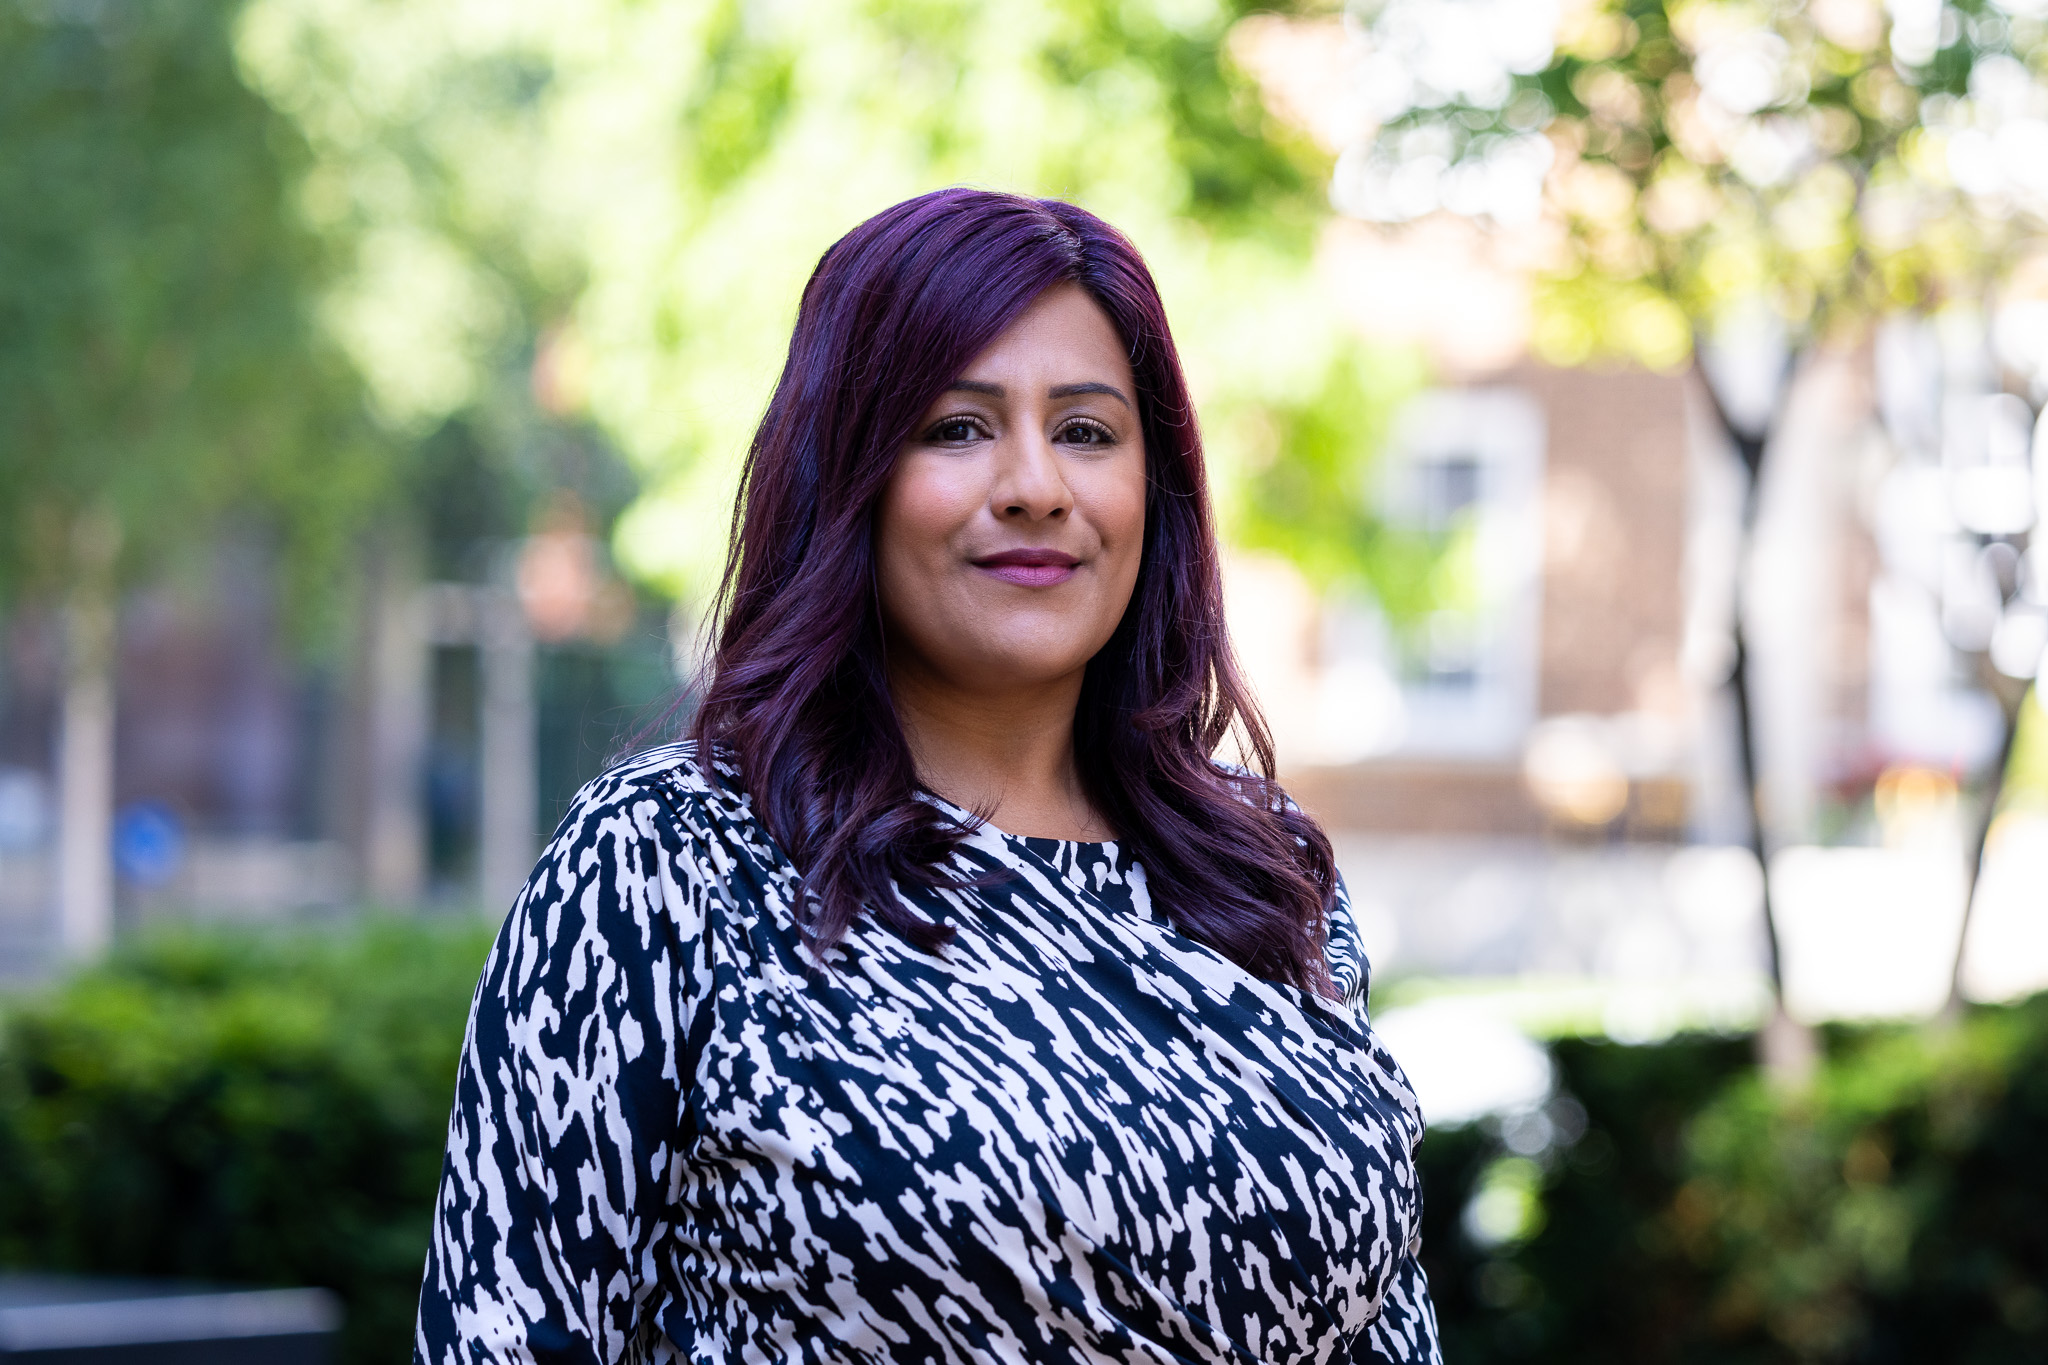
(1344, 951)
(558, 1184)
(1405, 1331)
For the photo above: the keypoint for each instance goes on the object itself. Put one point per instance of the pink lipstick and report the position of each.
(1029, 568)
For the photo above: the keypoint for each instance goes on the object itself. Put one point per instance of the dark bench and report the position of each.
(58, 1320)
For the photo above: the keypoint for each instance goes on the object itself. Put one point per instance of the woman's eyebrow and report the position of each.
(1075, 390)
(1056, 391)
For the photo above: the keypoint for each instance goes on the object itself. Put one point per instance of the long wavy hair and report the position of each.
(797, 694)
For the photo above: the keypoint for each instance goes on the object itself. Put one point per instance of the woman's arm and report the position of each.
(1405, 1331)
(555, 1192)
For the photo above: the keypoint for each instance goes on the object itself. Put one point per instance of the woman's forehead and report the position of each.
(1063, 329)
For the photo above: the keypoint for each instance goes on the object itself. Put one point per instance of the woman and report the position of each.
(944, 999)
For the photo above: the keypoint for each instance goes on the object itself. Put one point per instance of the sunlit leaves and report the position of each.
(1840, 158)
(643, 188)
(1312, 498)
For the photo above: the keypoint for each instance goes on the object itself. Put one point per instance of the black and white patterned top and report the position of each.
(1073, 1136)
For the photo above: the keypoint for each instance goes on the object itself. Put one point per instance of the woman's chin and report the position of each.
(1020, 666)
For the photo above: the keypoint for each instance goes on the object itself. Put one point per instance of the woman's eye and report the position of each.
(954, 431)
(1084, 434)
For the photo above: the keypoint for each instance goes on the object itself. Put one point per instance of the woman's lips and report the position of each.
(1029, 568)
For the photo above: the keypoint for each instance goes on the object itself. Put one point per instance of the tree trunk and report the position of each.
(1785, 1047)
(2011, 697)
(85, 768)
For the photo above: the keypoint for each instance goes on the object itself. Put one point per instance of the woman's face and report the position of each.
(1009, 535)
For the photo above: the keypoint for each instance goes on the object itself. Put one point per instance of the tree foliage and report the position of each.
(1841, 159)
(649, 185)
(160, 366)
(1312, 496)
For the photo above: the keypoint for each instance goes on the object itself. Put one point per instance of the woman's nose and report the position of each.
(1029, 483)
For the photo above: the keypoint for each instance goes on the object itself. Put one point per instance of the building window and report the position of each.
(1465, 470)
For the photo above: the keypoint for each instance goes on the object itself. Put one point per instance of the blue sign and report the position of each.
(149, 843)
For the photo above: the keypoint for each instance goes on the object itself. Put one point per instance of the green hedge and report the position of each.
(270, 1108)
(1896, 1210)
(261, 1108)
(1595, 1277)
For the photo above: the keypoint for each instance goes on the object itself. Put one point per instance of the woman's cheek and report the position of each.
(941, 498)
(1122, 516)
(925, 506)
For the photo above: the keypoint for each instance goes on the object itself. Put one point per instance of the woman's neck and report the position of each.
(1008, 754)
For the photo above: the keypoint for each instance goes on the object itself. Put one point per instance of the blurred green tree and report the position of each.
(160, 366)
(1309, 495)
(1698, 157)
(655, 181)
(1717, 176)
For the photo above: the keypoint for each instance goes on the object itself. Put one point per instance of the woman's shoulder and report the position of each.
(662, 826)
(670, 784)
(1251, 786)
(1343, 948)
(677, 766)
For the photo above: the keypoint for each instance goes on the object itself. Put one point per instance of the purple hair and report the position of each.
(797, 695)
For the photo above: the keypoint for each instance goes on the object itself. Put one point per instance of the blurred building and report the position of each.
(1539, 787)
(221, 747)
(1539, 800)
(413, 757)
(1545, 788)
(1542, 791)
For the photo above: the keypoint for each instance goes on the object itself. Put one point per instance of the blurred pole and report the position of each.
(394, 823)
(85, 746)
(507, 727)
(85, 777)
